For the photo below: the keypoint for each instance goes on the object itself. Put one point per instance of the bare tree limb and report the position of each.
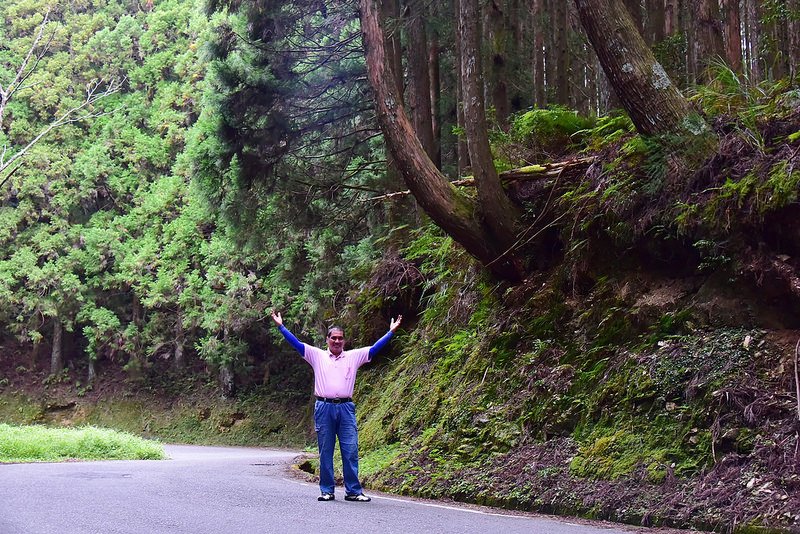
(93, 94)
(23, 72)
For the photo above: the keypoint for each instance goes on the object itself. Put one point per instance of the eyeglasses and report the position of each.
(336, 338)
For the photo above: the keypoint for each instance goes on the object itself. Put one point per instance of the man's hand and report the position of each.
(394, 323)
(277, 318)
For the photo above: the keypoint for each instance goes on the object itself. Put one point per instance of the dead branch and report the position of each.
(23, 72)
(93, 94)
(531, 172)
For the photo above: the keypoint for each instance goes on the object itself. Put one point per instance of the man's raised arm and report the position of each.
(288, 335)
(393, 325)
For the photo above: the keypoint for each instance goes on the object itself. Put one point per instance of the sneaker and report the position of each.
(357, 498)
(327, 497)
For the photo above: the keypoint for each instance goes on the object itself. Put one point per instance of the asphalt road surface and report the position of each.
(211, 490)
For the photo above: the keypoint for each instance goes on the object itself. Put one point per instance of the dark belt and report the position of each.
(335, 401)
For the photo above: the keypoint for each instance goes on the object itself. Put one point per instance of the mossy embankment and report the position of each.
(625, 402)
(643, 372)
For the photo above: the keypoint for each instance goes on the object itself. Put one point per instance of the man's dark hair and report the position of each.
(334, 327)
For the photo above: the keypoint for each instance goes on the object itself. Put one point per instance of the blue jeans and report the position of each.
(332, 421)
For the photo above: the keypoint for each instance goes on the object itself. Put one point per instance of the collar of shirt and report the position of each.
(335, 357)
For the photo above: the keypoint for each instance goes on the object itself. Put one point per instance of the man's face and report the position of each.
(336, 342)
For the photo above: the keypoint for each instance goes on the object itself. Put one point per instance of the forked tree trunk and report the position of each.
(458, 215)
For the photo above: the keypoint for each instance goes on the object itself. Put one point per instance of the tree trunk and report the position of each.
(561, 27)
(634, 7)
(708, 43)
(754, 40)
(498, 37)
(436, 97)
(391, 13)
(419, 85)
(655, 22)
(652, 101)
(461, 144)
(458, 215)
(57, 354)
(180, 341)
(226, 381)
(794, 38)
(670, 17)
(540, 98)
(732, 34)
(396, 215)
(501, 215)
(551, 52)
(91, 372)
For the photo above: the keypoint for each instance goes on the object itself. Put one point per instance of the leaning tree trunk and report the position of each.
(652, 101)
(458, 215)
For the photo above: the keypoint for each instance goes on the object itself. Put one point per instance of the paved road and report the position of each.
(211, 490)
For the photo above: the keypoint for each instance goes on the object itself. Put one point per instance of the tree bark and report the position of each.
(561, 27)
(754, 40)
(732, 34)
(655, 22)
(501, 215)
(454, 212)
(652, 101)
(670, 17)
(540, 98)
(436, 98)
(180, 341)
(634, 7)
(419, 85)
(498, 36)
(794, 38)
(462, 152)
(708, 43)
(56, 353)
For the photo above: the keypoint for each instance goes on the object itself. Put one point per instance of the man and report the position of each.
(334, 411)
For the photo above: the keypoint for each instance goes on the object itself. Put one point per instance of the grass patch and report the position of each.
(42, 444)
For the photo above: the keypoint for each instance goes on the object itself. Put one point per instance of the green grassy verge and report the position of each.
(42, 444)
